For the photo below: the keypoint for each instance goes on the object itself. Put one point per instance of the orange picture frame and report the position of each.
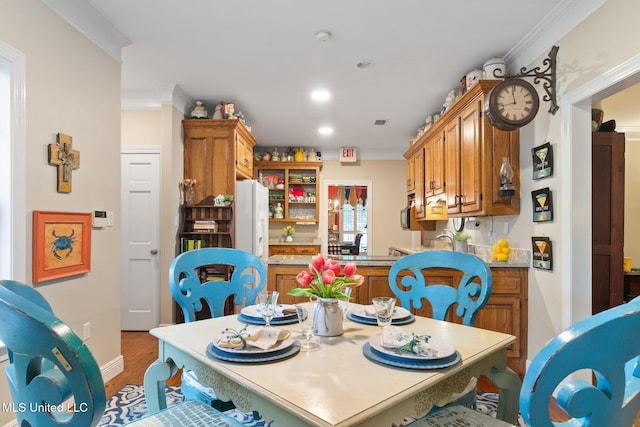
(61, 245)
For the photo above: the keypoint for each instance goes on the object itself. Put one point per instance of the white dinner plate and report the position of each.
(286, 343)
(254, 311)
(361, 310)
(441, 348)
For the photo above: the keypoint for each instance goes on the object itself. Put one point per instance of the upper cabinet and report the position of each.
(216, 154)
(463, 154)
(293, 189)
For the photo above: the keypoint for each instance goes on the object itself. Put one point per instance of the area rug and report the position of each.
(129, 405)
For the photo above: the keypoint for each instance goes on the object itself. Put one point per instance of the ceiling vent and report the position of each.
(380, 122)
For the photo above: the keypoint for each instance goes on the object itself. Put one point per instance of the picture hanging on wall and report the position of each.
(61, 245)
(542, 205)
(542, 253)
(542, 161)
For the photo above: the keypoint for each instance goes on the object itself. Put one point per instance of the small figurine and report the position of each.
(227, 110)
(199, 112)
(217, 114)
(278, 212)
(275, 156)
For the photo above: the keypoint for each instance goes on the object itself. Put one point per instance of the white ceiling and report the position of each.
(263, 55)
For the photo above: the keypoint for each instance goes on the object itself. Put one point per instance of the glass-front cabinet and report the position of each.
(293, 189)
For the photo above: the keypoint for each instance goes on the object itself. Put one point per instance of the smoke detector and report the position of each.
(323, 35)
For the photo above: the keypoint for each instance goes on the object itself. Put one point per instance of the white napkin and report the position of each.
(260, 337)
(395, 337)
(281, 310)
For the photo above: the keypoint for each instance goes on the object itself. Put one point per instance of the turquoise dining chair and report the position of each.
(239, 274)
(605, 345)
(469, 295)
(54, 379)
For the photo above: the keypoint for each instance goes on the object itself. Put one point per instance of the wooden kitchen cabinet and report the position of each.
(506, 310)
(411, 174)
(216, 154)
(472, 155)
(284, 249)
(297, 190)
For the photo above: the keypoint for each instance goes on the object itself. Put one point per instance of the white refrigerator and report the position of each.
(252, 218)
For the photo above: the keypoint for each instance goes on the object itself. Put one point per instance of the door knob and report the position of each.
(154, 251)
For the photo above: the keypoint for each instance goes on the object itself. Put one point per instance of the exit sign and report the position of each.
(348, 154)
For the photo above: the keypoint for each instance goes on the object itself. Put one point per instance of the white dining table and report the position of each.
(335, 385)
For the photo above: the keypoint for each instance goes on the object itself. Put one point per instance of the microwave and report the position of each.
(405, 218)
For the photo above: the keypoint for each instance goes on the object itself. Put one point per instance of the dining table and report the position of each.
(340, 382)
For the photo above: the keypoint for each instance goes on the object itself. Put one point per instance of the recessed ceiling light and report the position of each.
(363, 65)
(323, 35)
(325, 130)
(320, 95)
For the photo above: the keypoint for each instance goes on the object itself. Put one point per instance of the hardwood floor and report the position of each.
(139, 349)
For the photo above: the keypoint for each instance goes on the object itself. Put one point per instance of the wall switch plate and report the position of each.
(86, 331)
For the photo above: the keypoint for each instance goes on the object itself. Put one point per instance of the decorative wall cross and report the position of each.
(66, 159)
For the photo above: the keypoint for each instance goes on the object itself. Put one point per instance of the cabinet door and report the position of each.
(419, 183)
(434, 178)
(306, 250)
(470, 159)
(410, 175)
(280, 250)
(244, 157)
(452, 165)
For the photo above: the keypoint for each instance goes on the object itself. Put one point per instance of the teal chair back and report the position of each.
(247, 278)
(471, 293)
(606, 343)
(49, 366)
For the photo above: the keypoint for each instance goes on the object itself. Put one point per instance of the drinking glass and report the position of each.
(267, 304)
(305, 312)
(384, 310)
(344, 303)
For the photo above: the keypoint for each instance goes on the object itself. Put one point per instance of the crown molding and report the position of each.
(90, 23)
(154, 99)
(563, 18)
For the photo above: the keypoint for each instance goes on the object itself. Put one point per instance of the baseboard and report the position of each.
(112, 368)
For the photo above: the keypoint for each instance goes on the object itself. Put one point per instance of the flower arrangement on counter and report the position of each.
(323, 280)
(288, 231)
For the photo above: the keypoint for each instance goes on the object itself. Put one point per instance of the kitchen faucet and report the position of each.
(446, 234)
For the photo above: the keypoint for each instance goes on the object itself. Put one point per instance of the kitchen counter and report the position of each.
(359, 260)
(518, 258)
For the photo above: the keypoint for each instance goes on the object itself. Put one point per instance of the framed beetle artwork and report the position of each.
(61, 245)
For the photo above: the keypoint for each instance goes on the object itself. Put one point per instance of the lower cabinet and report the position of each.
(506, 311)
(294, 250)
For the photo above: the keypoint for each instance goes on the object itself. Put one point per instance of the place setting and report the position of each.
(368, 314)
(399, 348)
(268, 311)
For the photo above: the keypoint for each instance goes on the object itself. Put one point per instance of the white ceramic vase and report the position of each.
(328, 317)
(288, 239)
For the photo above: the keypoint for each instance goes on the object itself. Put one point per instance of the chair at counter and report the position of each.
(345, 248)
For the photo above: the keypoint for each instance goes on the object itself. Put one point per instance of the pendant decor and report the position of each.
(327, 317)
(548, 75)
(66, 159)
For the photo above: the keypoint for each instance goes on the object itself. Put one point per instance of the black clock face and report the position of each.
(512, 104)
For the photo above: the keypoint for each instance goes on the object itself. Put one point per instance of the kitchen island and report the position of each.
(506, 311)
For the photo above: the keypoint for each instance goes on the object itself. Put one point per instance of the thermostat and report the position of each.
(102, 219)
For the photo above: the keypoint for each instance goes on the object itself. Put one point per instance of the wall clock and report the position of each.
(511, 104)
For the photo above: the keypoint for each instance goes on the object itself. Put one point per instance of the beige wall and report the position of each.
(72, 87)
(632, 202)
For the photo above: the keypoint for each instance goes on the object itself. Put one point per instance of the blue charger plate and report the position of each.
(285, 353)
(400, 362)
(372, 321)
(275, 321)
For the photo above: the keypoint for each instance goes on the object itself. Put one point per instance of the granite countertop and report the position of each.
(360, 260)
(518, 258)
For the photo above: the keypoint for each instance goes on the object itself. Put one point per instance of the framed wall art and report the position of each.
(61, 245)
(542, 253)
(542, 161)
(542, 205)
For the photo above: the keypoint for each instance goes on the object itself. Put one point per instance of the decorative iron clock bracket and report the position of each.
(548, 75)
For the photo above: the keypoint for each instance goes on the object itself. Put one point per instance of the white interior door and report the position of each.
(140, 240)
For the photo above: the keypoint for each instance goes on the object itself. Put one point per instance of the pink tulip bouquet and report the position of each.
(323, 279)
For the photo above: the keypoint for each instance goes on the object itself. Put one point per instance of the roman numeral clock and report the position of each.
(511, 104)
(514, 102)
